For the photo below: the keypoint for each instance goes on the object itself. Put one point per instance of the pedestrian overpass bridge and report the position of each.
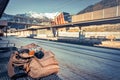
(113, 20)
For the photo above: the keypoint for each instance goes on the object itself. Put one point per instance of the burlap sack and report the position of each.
(43, 67)
(33, 66)
(14, 61)
(29, 46)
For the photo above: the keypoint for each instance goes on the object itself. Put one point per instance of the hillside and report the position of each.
(100, 5)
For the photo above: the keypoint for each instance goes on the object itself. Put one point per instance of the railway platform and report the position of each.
(6, 48)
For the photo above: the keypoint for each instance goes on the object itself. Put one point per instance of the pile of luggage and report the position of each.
(33, 61)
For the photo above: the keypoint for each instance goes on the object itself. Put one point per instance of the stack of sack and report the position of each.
(34, 61)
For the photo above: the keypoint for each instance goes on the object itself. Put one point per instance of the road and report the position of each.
(79, 62)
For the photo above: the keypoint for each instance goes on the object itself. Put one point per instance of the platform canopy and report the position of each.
(3, 4)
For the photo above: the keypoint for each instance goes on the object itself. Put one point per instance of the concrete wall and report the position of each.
(68, 34)
(41, 31)
(81, 17)
(110, 12)
(99, 14)
(88, 16)
(24, 33)
(118, 10)
(106, 34)
(90, 34)
(76, 18)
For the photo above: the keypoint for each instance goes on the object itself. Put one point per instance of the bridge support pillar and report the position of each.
(54, 32)
(6, 31)
(81, 34)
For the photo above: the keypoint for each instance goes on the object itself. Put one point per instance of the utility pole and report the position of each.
(6, 31)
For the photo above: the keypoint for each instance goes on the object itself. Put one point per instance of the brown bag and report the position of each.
(29, 46)
(43, 67)
(16, 62)
(33, 66)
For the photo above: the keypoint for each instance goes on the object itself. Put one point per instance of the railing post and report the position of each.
(6, 31)
(116, 11)
(103, 14)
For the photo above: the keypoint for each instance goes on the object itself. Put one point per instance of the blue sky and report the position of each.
(47, 6)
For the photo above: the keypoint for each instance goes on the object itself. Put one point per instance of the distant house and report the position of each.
(61, 18)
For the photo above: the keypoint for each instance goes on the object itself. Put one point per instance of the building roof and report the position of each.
(3, 4)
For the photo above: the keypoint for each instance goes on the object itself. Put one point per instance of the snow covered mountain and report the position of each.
(39, 15)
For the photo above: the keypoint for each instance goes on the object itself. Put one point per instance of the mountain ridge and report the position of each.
(39, 15)
(100, 5)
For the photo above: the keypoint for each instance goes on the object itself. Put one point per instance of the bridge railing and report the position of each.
(99, 14)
